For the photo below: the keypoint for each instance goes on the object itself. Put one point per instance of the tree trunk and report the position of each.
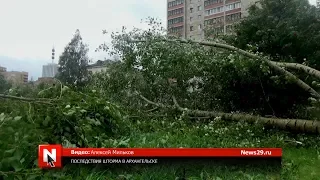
(299, 125)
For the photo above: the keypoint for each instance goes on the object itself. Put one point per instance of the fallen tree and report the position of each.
(229, 83)
(299, 125)
(272, 64)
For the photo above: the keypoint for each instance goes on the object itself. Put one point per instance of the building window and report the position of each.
(214, 10)
(175, 11)
(176, 29)
(191, 10)
(175, 3)
(199, 8)
(175, 20)
(191, 28)
(213, 21)
(199, 16)
(218, 30)
(210, 2)
(233, 17)
(233, 6)
(199, 26)
(190, 18)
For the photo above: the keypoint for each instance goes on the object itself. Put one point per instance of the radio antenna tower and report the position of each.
(53, 53)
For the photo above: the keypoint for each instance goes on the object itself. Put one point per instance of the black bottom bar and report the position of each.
(185, 163)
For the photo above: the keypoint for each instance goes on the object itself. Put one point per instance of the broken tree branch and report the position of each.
(300, 125)
(40, 101)
(150, 102)
(153, 109)
(271, 64)
(302, 67)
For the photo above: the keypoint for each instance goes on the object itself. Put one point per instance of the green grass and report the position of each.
(305, 161)
(299, 162)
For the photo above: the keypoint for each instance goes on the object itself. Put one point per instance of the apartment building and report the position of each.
(50, 70)
(189, 18)
(3, 69)
(318, 3)
(16, 77)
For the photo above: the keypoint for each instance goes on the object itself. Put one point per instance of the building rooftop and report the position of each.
(101, 63)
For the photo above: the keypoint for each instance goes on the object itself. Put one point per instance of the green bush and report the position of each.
(72, 119)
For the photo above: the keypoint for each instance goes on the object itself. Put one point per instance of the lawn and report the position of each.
(299, 161)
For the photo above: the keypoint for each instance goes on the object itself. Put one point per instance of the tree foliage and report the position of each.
(73, 62)
(226, 80)
(4, 84)
(207, 79)
(73, 119)
(287, 30)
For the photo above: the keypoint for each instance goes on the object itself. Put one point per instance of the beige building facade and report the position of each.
(16, 77)
(189, 18)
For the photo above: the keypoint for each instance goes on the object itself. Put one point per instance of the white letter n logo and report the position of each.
(52, 155)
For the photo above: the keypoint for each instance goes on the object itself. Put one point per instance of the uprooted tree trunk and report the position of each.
(300, 125)
(274, 65)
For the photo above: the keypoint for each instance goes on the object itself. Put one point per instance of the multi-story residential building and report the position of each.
(49, 70)
(318, 3)
(188, 18)
(16, 77)
(3, 69)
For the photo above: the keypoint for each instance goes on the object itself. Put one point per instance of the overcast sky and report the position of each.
(30, 28)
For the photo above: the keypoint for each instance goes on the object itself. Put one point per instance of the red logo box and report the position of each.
(49, 156)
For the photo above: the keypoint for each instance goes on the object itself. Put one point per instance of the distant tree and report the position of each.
(73, 62)
(285, 29)
(4, 84)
